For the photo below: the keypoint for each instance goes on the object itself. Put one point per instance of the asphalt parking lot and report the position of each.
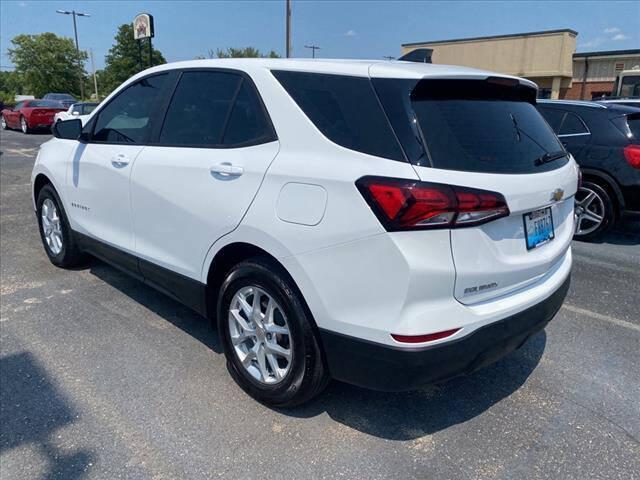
(102, 377)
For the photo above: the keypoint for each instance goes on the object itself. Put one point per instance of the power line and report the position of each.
(313, 49)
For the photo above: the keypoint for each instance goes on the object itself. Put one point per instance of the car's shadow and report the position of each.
(394, 416)
(625, 232)
(410, 415)
(33, 410)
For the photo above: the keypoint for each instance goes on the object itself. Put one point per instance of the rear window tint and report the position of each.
(474, 126)
(572, 125)
(345, 109)
(633, 122)
(552, 116)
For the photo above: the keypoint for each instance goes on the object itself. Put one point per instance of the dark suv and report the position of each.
(605, 141)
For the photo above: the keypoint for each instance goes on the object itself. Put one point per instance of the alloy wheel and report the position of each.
(23, 125)
(51, 226)
(260, 335)
(590, 210)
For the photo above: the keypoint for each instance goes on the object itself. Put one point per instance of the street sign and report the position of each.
(143, 26)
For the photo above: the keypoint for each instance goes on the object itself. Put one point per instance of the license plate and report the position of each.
(538, 228)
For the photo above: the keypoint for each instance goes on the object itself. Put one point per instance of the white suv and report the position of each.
(387, 224)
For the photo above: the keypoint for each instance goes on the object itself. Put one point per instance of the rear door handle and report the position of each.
(226, 170)
(120, 160)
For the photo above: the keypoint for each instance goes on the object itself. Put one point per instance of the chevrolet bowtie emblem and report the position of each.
(557, 194)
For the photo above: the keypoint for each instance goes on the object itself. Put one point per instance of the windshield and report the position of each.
(630, 86)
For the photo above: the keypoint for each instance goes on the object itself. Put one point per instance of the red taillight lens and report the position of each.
(632, 154)
(430, 337)
(409, 204)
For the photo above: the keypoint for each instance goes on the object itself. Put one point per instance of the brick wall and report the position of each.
(573, 93)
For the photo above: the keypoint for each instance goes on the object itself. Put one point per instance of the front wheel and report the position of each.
(56, 234)
(595, 211)
(272, 351)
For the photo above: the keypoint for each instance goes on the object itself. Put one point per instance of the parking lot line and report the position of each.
(599, 316)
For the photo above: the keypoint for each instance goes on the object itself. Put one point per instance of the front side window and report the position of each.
(345, 109)
(127, 118)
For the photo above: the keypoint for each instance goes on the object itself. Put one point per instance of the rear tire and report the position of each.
(24, 125)
(274, 382)
(55, 232)
(595, 209)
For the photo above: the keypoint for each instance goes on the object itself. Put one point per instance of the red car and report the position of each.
(29, 115)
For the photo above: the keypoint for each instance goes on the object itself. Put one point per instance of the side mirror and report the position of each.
(68, 129)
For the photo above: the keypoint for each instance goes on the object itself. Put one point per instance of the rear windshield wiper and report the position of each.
(549, 157)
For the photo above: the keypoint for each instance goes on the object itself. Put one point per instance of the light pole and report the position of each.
(288, 29)
(75, 32)
(313, 49)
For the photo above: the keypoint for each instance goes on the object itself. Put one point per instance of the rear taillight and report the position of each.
(632, 154)
(413, 205)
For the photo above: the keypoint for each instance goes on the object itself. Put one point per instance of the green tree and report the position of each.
(11, 84)
(126, 57)
(246, 52)
(47, 63)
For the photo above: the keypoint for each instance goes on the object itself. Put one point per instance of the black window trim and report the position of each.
(154, 138)
(153, 116)
(565, 135)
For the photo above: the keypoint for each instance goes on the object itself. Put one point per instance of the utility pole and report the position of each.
(288, 34)
(95, 79)
(313, 49)
(75, 33)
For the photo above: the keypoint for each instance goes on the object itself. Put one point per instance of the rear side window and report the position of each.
(127, 118)
(573, 125)
(553, 117)
(210, 109)
(345, 109)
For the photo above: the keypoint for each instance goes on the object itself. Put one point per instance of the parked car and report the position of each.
(77, 110)
(384, 224)
(64, 98)
(604, 138)
(30, 115)
(629, 102)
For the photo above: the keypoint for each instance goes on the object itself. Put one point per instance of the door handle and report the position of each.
(226, 170)
(120, 160)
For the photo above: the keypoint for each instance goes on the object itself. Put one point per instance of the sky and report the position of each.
(342, 29)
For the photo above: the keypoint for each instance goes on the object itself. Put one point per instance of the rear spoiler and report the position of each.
(419, 55)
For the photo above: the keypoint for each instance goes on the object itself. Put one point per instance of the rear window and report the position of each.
(345, 109)
(629, 125)
(474, 126)
(45, 104)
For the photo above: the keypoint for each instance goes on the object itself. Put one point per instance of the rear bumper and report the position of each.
(389, 368)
